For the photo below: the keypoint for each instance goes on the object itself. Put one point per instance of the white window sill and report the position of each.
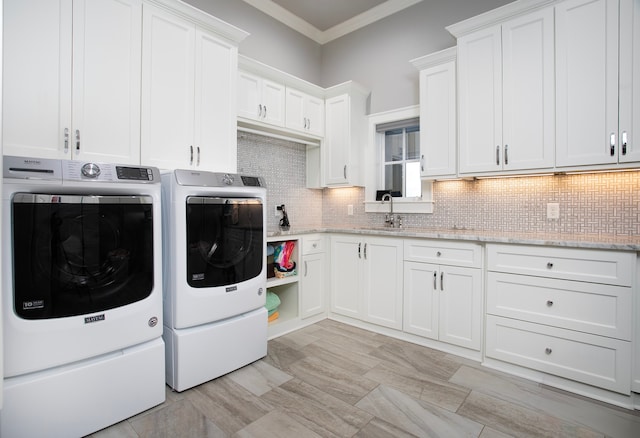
(399, 206)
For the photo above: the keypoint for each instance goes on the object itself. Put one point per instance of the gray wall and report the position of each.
(376, 56)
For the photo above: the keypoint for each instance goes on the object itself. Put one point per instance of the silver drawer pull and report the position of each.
(549, 265)
(438, 254)
(549, 303)
(435, 280)
(548, 350)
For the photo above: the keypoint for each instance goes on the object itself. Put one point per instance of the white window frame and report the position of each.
(373, 161)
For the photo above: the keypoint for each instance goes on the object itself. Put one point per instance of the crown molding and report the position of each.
(374, 14)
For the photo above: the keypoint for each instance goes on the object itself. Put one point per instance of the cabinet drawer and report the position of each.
(443, 252)
(595, 266)
(594, 360)
(312, 244)
(593, 308)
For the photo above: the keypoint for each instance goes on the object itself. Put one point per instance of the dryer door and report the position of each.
(74, 255)
(224, 240)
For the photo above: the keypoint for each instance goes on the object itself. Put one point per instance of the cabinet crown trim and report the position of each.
(436, 58)
(201, 18)
(497, 16)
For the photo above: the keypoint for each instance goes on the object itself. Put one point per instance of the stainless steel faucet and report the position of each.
(388, 218)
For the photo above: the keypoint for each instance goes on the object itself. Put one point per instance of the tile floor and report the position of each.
(334, 380)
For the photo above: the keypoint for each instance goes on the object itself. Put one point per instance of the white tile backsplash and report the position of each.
(599, 203)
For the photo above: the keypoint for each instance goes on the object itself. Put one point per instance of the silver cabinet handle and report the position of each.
(308, 123)
(422, 163)
(549, 303)
(612, 144)
(306, 270)
(435, 280)
(77, 140)
(265, 112)
(548, 350)
(344, 171)
(506, 154)
(549, 265)
(198, 159)
(438, 254)
(498, 155)
(359, 250)
(365, 251)
(442, 281)
(191, 155)
(624, 142)
(259, 111)
(66, 140)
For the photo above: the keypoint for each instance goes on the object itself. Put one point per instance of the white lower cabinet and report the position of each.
(312, 276)
(562, 311)
(366, 279)
(442, 301)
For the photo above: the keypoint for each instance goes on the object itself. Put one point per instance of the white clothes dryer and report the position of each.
(214, 247)
(81, 295)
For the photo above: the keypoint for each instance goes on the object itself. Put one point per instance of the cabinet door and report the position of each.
(587, 82)
(314, 109)
(480, 82)
(421, 299)
(337, 140)
(460, 306)
(107, 61)
(438, 122)
(528, 92)
(249, 96)
(312, 290)
(37, 78)
(382, 289)
(273, 102)
(346, 260)
(167, 90)
(295, 110)
(629, 87)
(215, 100)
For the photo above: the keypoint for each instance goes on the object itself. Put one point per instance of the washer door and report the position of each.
(224, 240)
(74, 255)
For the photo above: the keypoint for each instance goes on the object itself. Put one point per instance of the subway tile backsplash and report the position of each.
(599, 203)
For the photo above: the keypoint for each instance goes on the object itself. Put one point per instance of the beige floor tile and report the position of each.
(513, 419)
(259, 377)
(276, 425)
(417, 417)
(326, 415)
(177, 419)
(332, 379)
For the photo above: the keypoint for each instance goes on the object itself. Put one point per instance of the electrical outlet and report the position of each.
(350, 210)
(553, 210)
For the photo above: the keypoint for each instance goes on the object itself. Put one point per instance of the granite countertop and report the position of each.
(597, 241)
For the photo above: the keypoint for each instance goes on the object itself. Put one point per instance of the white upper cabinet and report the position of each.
(304, 112)
(438, 109)
(629, 86)
(345, 134)
(261, 99)
(188, 94)
(587, 82)
(73, 70)
(506, 96)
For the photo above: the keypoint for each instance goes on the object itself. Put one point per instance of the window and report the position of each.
(401, 158)
(392, 162)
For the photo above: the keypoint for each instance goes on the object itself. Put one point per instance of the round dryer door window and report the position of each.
(75, 255)
(224, 240)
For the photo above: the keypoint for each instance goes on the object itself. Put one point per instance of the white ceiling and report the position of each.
(326, 20)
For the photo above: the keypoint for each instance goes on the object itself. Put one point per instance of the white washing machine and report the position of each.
(81, 295)
(214, 246)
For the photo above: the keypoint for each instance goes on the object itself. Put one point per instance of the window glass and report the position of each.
(393, 141)
(402, 160)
